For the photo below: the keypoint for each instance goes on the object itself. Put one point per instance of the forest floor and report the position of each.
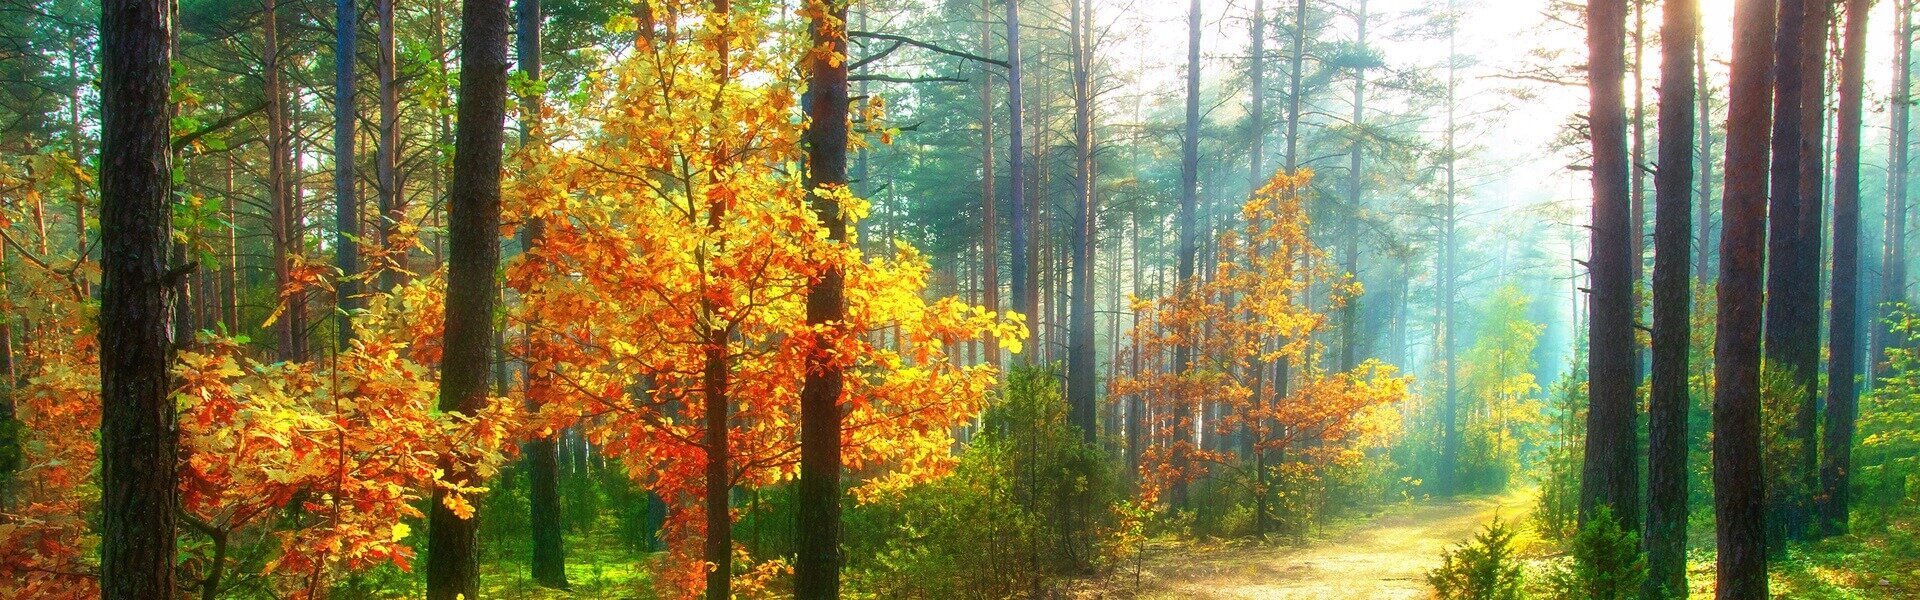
(1384, 556)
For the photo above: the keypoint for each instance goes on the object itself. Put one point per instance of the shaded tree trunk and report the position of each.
(1608, 477)
(1739, 493)
(1189, 201)
(387, 150)
(139, 497)
(1792, 311)
(817, 570)
(1350, 226)
(1843, 365)
(473, 223)
(1893, 258)
(1020, 283)
(1666, 531)
(281, 200)
(1081, 378)
(989, 213)
(346, 204)
(545, 518)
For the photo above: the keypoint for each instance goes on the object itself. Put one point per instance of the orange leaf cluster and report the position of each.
(673, 229)
(1252, 376)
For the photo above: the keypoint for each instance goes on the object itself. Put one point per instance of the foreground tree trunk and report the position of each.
(1666, 531)
(1608, 478)
(1739, 494)
(1843, 366)
(1792, 314)
(138, 444)
(549, 562)
(817, 568)
(473, 225)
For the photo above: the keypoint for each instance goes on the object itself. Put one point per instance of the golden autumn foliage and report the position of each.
(674, 230)
(1253, 385)
(326, 460)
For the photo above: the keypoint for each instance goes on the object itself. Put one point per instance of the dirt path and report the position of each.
(1385, 558)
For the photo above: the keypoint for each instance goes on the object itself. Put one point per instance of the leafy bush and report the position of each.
(1484, 568)
(1606, 562)
(1028, 502)
(1887, 462)
(1558, 514)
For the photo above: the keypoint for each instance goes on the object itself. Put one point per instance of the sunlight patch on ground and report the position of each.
(1386, 557)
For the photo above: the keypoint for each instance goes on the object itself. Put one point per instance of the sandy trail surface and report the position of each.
(1385, 557)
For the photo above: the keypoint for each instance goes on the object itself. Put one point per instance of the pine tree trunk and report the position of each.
(1609, 474)
(1447, 471)
(473, 225)
(1019, 283)
(1350, 224)
(387, 150)
(346, 205)
(1703, 240)
(1843, 365)
(281, 202)
(1189, 169)
(1893, 261)
(1738, 488)
(817, 570)
(138, 447)
(545, 518)
(1081, 378)
(1807, 267)
(1792, 301)
(989, 212)
(1666, 531)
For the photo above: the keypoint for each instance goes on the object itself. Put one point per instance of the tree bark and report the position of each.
(1843, 365)
(281, 203)
(546, 519)
(138, 441)
(1608, 477)
(989, 213)
(1807, 267)
(1020, 283)
(1739, 490)
(387, 150)
(473, 225)
(1189, 201)
(817, 568)
(346, 204)
(1081, 378)
(1356, 191)
(1666, 531)
(1893, 258)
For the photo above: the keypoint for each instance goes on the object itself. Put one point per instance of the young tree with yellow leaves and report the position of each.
(1252, 314)
(668, 297)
